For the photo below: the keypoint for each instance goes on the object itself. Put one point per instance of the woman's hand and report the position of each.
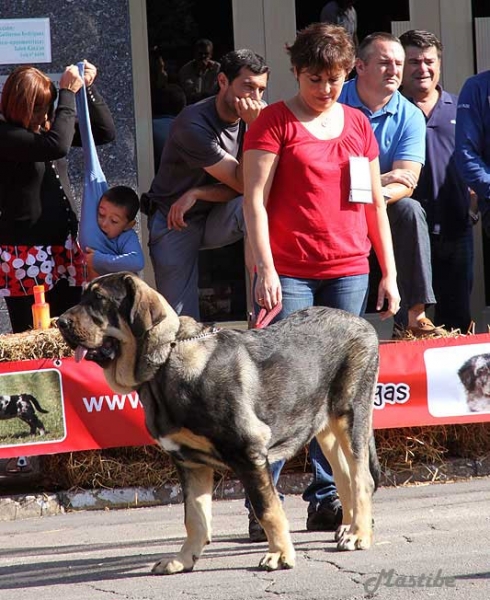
(71, 80)
(268, 290)
(89, 73)
(388, 291)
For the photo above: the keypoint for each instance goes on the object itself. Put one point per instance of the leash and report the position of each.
(265, 317)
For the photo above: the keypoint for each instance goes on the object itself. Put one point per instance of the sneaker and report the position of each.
(327, 516)
(255, 530)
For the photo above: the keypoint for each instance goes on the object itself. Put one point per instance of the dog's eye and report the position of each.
(99, 295)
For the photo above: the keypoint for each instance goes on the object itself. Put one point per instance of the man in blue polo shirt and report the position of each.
(399, 127)
(441, 190)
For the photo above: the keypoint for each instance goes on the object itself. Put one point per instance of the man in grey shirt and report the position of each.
(194, 202)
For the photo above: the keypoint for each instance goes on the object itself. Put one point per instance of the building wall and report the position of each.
(113, 36)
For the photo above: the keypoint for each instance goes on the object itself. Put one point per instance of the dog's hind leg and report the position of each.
(197, 487)
(329, 442)
(269, 511)
(355, 486)
(34, 423)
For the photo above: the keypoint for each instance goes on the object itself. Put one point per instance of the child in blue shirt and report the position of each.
(116, 217)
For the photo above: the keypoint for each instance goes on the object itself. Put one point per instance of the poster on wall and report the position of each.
(25, 41)
(57, 405)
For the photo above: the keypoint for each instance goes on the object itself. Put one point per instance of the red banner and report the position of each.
(63, 406)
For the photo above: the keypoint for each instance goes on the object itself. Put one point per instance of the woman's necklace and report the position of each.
(324, 119)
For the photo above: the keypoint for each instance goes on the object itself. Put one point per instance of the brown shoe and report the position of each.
(425, 327)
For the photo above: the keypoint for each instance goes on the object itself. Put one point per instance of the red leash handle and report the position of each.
(264, 317)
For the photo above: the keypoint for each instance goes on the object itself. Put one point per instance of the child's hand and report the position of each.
(89, 257)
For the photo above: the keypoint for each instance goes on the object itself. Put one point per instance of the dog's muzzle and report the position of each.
(102, 355)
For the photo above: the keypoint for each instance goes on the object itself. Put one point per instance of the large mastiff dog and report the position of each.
(239, 399)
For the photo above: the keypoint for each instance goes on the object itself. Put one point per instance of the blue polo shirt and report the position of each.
(399, 127)
(441, 188)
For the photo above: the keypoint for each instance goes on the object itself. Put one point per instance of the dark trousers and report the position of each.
(452, 279)
(60, 298)
(411, 246)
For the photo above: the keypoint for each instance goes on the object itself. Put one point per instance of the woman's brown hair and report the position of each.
(28, 98)
(322, 47)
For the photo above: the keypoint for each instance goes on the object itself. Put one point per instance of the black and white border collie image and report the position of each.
(23, 406)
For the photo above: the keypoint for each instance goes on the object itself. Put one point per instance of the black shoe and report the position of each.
(327, 516)
(255, 530)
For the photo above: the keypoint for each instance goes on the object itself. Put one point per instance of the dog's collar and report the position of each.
(196, 338)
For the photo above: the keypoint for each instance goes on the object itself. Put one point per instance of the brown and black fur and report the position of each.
(240, 399)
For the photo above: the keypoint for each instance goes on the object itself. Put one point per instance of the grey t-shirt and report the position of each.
(198, 138)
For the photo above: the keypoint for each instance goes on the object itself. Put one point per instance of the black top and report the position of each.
(34, 186)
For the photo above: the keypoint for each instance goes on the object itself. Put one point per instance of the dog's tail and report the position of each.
(37, 405)
(374, 465)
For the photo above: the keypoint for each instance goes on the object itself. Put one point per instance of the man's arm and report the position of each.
(401, 180)
(229, 169)
(229, 172)
(470, 140)
(216, 192)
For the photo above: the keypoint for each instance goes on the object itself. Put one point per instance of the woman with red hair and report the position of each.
(38, 226)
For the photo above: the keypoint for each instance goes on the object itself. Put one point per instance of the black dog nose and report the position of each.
(63, 322)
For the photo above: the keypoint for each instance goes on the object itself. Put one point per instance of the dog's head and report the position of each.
(475, 374)
(120, 321)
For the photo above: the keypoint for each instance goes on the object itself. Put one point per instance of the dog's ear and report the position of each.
(147, 309)
(481, 362)
(467, 374)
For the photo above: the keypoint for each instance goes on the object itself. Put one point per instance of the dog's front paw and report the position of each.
(169, 567)
(346, 540)
(342, 530)
(278, 560)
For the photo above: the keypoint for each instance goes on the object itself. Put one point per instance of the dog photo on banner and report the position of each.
(31, 408)
(458, 380)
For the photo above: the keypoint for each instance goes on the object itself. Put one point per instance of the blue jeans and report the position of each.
(349, 294)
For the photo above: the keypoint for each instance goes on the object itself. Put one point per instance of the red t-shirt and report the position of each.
(315, 232)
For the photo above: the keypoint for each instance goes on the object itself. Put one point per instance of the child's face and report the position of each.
(112, 219)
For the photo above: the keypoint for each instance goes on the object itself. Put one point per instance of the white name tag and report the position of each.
(360, 180)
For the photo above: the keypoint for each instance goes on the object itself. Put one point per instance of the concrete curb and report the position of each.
(24, 506)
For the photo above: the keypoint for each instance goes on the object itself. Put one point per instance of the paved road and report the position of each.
(421, 531)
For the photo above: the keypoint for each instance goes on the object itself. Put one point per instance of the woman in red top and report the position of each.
(311, 226)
